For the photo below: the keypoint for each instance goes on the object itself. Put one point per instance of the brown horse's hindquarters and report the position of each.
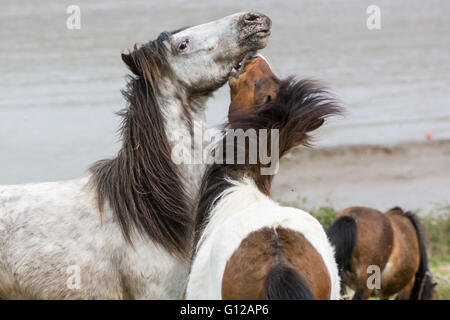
(269, 259)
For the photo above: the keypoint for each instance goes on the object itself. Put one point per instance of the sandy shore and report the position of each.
(412, 175)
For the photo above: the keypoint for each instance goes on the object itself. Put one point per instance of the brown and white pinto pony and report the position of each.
(392, 241)
(247, 245)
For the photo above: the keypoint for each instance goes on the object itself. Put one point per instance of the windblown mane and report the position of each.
(142, 184)
(300, 107)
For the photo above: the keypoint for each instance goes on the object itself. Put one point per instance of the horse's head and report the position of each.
(254, 83)
(203, 56)
(199, 59)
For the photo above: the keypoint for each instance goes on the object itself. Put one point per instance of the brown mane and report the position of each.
(142, 184)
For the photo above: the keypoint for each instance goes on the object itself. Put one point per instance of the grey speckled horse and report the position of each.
(124, 230)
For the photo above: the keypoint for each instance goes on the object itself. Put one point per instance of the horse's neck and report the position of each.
(241, 195)
(184, 120)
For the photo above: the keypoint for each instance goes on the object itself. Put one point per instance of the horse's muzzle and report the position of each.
(255, 28)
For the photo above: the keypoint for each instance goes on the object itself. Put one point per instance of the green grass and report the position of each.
(436, 232)
(442, 269)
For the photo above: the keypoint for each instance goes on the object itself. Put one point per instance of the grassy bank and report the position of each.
(436, 231)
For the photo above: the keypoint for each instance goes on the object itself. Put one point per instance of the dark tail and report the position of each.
(342, 234)
(284, 283)
(423, 286)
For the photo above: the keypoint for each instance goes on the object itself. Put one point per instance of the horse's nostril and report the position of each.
(252, 17)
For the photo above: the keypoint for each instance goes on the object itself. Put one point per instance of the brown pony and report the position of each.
(365, 237)
(253, 84)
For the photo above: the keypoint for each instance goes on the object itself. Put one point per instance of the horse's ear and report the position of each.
(315, 124)
(131, 63)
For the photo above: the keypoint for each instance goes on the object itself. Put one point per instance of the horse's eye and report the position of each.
(183, 44)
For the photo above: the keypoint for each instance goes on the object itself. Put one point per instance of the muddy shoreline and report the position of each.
(414, 175)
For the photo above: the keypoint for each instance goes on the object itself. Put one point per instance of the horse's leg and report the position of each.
(362, 290)
(362, 293)
(343, 289)
(405, 293)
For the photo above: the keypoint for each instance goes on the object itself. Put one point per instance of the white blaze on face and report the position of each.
(264, 58)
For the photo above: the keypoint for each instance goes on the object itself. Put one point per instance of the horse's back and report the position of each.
(48, 232)
(264, 250)
(38, 195)
(41, 236)
(23, 206)
(404, 230)
(53, 245)
(213, 254)
(372, 228)
(30, 210)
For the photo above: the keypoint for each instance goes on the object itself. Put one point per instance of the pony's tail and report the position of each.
(299, 108)
(342, 235)
(423, 288)
(284, 283)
